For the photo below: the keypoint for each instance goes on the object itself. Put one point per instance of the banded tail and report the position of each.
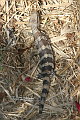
(45, 52)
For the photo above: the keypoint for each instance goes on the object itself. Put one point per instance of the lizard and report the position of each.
(46, 54)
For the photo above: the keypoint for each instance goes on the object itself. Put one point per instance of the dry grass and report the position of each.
(19, 98)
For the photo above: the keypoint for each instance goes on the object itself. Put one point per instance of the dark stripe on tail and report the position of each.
(41, 106)
(45, 91)
(48, 67)
(46, 82)
(43, 75)
(45, 60)
(43, 52)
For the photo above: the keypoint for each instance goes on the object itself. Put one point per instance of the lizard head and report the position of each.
(34, 20)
